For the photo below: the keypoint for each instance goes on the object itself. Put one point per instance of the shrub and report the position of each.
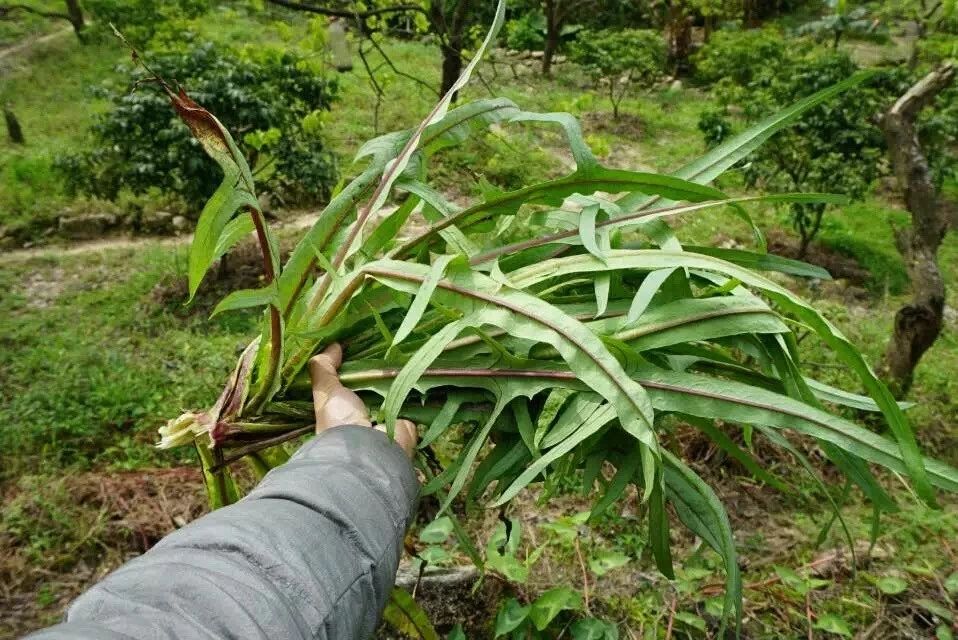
(139, 20)
(620, 58)
(836, 147)
(938, 125)
(526, 33)
(273, 99)
(737, 56)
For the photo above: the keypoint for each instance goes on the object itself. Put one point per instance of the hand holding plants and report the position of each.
(335, 405)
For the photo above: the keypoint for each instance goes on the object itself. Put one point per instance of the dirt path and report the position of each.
(31, 42)
(120, 242)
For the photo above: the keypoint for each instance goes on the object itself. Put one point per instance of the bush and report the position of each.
(139, 20)
(836, 147)
(274, 99)
(621, 58)
(736, 56)
(526, 33)
(938, 125)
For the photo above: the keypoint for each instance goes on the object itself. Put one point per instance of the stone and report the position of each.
(160, 222)
(87, 226)
(180, 224)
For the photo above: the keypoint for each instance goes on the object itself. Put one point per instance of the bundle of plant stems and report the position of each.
(565, 353)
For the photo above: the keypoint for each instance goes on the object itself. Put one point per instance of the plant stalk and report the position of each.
(276, 321)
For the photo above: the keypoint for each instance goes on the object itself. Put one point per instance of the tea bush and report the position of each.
(274, 99)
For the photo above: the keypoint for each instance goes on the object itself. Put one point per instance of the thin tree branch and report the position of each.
(398, 72)
(346, 13)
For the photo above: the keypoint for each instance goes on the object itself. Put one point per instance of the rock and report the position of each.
(676, 85)
(180, 224)
(160, 222)
(950, 314)
(87, 226)
(265, 202)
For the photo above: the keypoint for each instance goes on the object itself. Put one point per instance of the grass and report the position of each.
(93, 357)
(55, 117)
(91, 362)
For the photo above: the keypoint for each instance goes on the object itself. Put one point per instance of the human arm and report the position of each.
(310, 553)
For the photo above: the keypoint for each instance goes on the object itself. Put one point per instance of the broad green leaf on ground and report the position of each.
(546, 607)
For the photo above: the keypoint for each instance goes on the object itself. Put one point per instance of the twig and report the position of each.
(346, 13)
(808, 614)
(376, 87)
(399, 72)
(585, 576)
(668, 629)
(711, 589)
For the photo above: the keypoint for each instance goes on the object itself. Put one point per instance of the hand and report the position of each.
(336, 405)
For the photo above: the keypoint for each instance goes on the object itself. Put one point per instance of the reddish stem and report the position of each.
(276, 322)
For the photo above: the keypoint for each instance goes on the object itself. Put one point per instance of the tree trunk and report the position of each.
(679, 33)
(917, 324)
(451, 66)
(75, 16)
(13, 126)
(553, 29)
(451, 29)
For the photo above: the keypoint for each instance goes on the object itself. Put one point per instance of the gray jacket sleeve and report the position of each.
(311, 552)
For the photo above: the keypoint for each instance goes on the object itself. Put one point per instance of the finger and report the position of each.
(404, 435)
(341, 406)
(329, 360)
(333, 403)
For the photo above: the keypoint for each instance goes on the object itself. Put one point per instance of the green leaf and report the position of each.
(649, 287)
(936, 609)
(951, 583)
(606, 561)
(659, 541)
(437, 531)
(593, 629)
(433, 556)
(587, 230)
(531, 318)
(692, 620)
(442, 420)
(511, 614)
(834, 624)
(396, 167)
(246, 298)
(702, 512)
(891, 585)
(731, 448)
(546, 607)
(624, 476)
(456, 633)
(652, 259)
(221, 206)
(234, 231)
(763, 261)
(405, 615)
(708, 397)
(590, 427)
(581, 153)
(421, 301)
(553, 192)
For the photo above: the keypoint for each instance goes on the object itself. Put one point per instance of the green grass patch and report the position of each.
(92, 362)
